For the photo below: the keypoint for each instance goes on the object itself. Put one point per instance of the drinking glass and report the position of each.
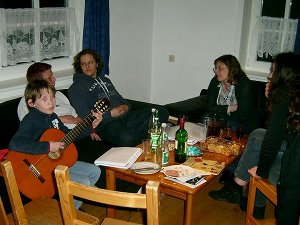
(227, 134)
(240, 131)
(213, 124)
(147, 149)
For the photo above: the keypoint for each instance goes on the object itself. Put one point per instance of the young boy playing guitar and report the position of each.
(29, 144)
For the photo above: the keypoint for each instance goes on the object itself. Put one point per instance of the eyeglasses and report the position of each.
(220, 69)
(90, 63)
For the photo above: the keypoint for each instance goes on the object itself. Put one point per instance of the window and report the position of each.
(36, 31)
(15, 4)
(272, 29)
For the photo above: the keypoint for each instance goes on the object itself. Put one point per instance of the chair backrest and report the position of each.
(3, 217)
(44, 210)
(269, 190)
(68, 189)
(13, 193)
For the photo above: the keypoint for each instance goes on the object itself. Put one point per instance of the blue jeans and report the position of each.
(84, 173)
(250, 158)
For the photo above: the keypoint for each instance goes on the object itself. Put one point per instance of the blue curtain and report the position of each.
(297, 41)
(96, 29)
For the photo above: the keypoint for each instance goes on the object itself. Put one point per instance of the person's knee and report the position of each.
(84, 180)
(96, 173)
(257, 134)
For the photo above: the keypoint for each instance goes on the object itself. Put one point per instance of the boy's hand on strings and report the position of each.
(55, 146)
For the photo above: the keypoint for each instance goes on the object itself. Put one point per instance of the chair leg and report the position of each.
(251, 200)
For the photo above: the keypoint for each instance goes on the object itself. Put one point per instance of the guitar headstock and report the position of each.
(102, 105)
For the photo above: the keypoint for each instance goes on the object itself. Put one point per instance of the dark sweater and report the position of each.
(31, 128)
(275, 134)
(244, 92)
(86, 91)
(290, 168)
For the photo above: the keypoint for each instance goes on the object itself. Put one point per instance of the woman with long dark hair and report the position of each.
(288, 188)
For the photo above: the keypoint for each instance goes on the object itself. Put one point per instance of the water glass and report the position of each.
(147, 149)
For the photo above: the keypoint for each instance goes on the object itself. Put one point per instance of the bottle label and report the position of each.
(154, 141)
(165, 157)
(184, 148)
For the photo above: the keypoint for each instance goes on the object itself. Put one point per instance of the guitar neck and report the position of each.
(78, 129)
(100, 106)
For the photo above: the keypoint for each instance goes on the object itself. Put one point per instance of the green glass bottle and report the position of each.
(151, 122)
(164, 145)
(181, 137)
(155, 132)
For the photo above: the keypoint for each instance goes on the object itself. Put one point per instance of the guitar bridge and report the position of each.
(34, 170)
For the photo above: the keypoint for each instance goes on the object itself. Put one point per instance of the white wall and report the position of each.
(195, 31)
(131, 28)
(144, 32)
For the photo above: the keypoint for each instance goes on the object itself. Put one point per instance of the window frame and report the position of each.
(10, 74)
(253, 10)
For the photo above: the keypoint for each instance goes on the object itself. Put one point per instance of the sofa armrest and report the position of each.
(193, 108)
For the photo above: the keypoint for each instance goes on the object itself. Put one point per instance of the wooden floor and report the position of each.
(206, 211)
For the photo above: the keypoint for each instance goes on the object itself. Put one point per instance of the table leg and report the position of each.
(110, 185)
(188, 205)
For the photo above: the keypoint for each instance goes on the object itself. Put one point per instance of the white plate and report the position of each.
(179, 171)
(145, 167)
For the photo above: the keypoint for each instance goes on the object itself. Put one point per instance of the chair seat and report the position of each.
(111, 221)
(43, 211)
(47, 211)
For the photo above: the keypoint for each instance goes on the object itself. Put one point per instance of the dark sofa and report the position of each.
(194, 108)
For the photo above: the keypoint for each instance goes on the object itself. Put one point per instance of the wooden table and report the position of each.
(166, 186)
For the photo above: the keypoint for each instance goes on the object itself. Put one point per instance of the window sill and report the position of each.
(256, 75)
(13, 79)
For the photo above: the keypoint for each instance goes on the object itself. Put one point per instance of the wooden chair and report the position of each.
(68, 189)
(41, 211)
(269, 190)
(3, 216)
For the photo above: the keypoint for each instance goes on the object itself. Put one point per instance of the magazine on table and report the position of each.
(204, 165)
(119, 157)
(191, 182)
(184, 175)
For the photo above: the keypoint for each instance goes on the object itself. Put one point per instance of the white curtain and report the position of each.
(36, 34)
(273, 35)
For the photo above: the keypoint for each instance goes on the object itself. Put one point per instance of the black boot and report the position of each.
(258, 211)
(230, 192)
(225, 177)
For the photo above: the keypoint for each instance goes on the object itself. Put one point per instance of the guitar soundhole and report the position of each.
(54, 155)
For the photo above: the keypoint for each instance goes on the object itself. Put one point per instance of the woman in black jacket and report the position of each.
(288, 187)
(231, 95)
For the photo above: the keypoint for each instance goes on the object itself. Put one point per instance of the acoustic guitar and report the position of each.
(35, 173)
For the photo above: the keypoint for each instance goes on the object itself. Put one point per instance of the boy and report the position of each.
(40, 99)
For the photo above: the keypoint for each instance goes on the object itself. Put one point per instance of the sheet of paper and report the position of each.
(196, 132)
